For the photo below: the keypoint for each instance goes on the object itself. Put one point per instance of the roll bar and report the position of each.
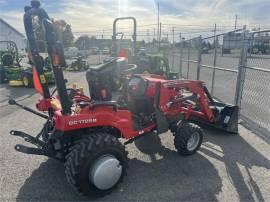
(55, 52)
(134, 36)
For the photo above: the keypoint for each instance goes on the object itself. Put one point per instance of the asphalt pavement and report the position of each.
(227, 167)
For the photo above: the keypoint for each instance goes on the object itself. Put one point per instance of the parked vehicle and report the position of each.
(94, 50)
(71, 52)
(106, 51)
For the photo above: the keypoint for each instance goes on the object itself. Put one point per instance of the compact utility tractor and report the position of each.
(84, 133)
(13, 72)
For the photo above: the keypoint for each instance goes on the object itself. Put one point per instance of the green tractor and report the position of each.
(11, 70)
(26, 78)
(146, 63)
(10, 66)
(155, 64)
(260, 48)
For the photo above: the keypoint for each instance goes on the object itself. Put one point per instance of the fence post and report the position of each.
(214, 65)
(181, 60)
(241, 70)
(199, 58)
(189, 46)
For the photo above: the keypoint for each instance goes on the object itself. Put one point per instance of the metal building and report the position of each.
(9, 33)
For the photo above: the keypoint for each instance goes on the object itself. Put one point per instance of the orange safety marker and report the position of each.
(37, 84)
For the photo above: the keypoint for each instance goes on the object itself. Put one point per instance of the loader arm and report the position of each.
(204, 99)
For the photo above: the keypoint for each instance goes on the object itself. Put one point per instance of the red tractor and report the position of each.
(84, 133)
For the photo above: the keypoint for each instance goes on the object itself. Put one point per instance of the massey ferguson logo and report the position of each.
(71, 123)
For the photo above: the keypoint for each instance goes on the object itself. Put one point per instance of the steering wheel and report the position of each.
(70, 91)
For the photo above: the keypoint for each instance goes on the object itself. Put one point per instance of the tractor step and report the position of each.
(28, 138)
(31, 150)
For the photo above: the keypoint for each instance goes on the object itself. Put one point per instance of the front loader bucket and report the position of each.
(226, 118)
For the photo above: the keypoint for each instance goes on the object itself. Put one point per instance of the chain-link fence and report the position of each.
(256, 90)
(235, 67)
(255, 104)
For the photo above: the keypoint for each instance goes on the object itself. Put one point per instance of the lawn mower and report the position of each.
(11, 70)
(84, 133)
(79, 64)
(10, 66)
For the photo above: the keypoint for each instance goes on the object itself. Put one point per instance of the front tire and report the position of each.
(96, 164)
(27, 79)
(188, 139)
(2, 75)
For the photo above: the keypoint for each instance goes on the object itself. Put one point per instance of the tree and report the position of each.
(68, 36)
(82, 43)
(63, 32)
(59, 26)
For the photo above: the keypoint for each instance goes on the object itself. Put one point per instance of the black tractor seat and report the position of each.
(7, 59)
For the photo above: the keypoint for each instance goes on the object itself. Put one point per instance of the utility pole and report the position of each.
(173, 47)
(181, 57)
(154, 33)
(148, 38)
(173, 36)
(159, 37)
(235, 22)
(158, 28)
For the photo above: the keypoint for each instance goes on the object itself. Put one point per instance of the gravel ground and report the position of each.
(227, 167)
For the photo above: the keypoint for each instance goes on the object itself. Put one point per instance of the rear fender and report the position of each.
(99, 117)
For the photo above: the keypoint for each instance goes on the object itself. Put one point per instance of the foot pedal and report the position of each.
(27, 138)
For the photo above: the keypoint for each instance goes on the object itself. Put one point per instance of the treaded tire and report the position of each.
(2, 76)
(182, 137)
(82, 156)
(27, 80)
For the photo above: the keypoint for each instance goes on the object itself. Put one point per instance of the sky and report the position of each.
(188, 17)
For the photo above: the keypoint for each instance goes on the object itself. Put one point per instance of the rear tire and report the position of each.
(188, 139)
(90, 162)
